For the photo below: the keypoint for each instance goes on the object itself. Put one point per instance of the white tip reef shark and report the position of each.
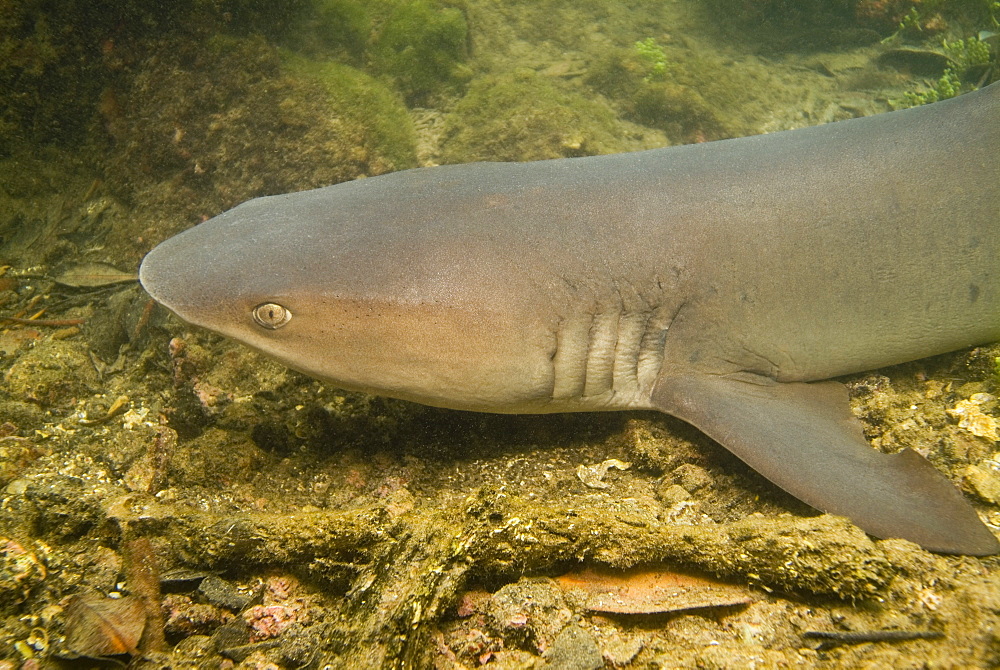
(723, 283)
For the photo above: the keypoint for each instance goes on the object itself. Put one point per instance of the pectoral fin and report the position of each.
(804, 438)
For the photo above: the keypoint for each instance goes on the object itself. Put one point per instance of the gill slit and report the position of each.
(610, 356)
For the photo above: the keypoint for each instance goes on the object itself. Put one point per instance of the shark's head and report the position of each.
(346, 286)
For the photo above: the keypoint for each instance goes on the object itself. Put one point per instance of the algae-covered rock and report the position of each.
(359, 99)
(22, 569)
(62, 65)
(528, 612)
(422, 46)
(206, 126)
(341, 27)
(53, 373)
(525, 116)
(805, 25)
(784, 11)
(653, 90)
(37, 53)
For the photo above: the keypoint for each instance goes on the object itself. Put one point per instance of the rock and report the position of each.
(573, 649)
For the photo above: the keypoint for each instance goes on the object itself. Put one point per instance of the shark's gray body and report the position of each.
(716, 282)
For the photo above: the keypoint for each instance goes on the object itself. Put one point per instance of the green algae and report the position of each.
(524, 116)
(965, 57)
(666, 89)
(58, 64)
(361, 100)
(422, 47)
(210, 125)
(336, 27)
(653, 56)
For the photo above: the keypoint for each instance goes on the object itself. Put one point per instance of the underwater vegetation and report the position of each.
(653, 56)
(972, 60)
(786, 11)
(881, 15)
(422, 46)
(362, 101)
(58, 68)
(334, 28)
(656, 91)
(56, 64)
(228, 119)
(970, 63)
(979, 12)
(813, 24)
(524, 116)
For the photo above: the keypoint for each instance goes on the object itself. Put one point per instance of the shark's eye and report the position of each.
(271, 315)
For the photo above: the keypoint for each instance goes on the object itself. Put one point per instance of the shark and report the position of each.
(725, 283)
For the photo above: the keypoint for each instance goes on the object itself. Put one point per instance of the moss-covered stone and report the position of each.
(60, 63)
(38, 54)
(340, 28)
(787, 12)
(422, 46)
(799, 27)
(662, 97)
(204, 127)
(362, 100)
(525, 116)
(53, 373)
